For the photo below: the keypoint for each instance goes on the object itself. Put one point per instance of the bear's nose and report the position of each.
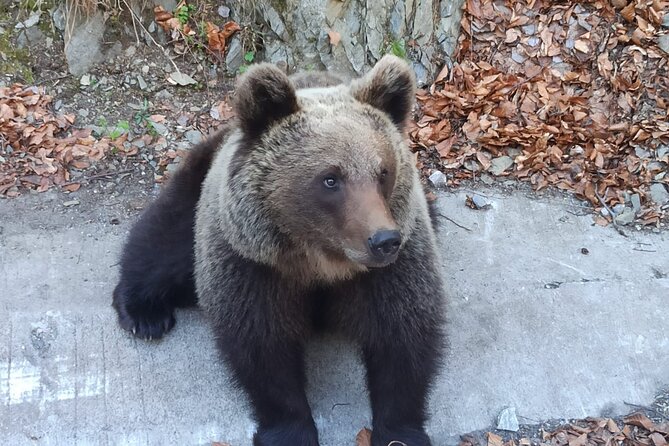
(385, 243)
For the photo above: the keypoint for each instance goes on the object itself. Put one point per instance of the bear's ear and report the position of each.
(264, 95)
(390, 86)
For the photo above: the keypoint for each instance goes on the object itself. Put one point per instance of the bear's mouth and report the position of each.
(368, 259)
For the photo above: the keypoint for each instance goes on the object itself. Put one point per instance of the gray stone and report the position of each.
(617, 209)
(500, 164)
(636, 202)
(480, 202)
(161, 129)
(58, 17)
(665, 21)
(169, 5)
(164, 95)
(507, 420)
(30, 36)
(194, 136)
(663, 43)
(626, 217)
(85, 80)
(658, 193)
(234, 58)
(83, 47)
(662, 150)
(438, 179)
(32, 20)
(224, 11)
(141, 82)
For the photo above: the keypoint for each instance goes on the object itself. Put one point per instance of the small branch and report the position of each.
(454, 222)
(608, 209)
(646, 408)
(98, 176)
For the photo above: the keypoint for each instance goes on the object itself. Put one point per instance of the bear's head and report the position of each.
(331, 164)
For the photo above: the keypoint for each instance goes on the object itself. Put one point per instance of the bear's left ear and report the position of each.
(390, 86)
(263, 96)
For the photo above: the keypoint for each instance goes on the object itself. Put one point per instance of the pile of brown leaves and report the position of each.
(571, 94)
(37, 147)
(635, 430)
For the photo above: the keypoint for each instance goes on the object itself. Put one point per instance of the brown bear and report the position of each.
(307, 213)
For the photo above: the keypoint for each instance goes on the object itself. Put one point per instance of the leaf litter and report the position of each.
(572, 95)
(39, 148)
(636, 429)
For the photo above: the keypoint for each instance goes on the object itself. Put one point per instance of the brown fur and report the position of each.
(309, 175)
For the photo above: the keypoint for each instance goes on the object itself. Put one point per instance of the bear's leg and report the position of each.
(157, 260)
(261, 324)
(273, 376)
(400, 330)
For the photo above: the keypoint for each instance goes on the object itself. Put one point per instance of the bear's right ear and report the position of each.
(264, 95)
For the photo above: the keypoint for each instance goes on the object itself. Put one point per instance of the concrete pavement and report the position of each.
(534, 323)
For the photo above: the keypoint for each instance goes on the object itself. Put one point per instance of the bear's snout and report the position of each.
(384, 245)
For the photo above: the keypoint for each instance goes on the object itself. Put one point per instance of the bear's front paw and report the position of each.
(400, 437)
(142, 319)
(297, 433)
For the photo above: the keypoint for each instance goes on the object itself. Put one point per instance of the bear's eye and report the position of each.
(330, 182)
(383, 175)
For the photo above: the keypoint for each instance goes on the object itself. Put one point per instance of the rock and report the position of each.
(665, 21)
(85, 80)
(83, 48)
(71, 203)
(663, 43)
(297, 32)
(159, 128)
(224, 11)
(618, 209)
(625, 218)
(636, 202)
(507, 420)
(169, 5)
(141, 82)
(500, 164)
(58, 17)
(663, 150)
(487, 179)
(438, 179)
(576, 151)
(30, 36)
(658, 193)
(179, 78)
(479, 202)
(164, 95)
(193, 136)
(233, 55)
(32, 20)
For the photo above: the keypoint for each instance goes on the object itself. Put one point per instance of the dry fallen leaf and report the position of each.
(364, 437)
(334, 36)
(640, 420)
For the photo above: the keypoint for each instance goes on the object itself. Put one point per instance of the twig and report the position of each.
(454, 222)
(608, 209)
(644, 250)
(99, 175)
(649, 409)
